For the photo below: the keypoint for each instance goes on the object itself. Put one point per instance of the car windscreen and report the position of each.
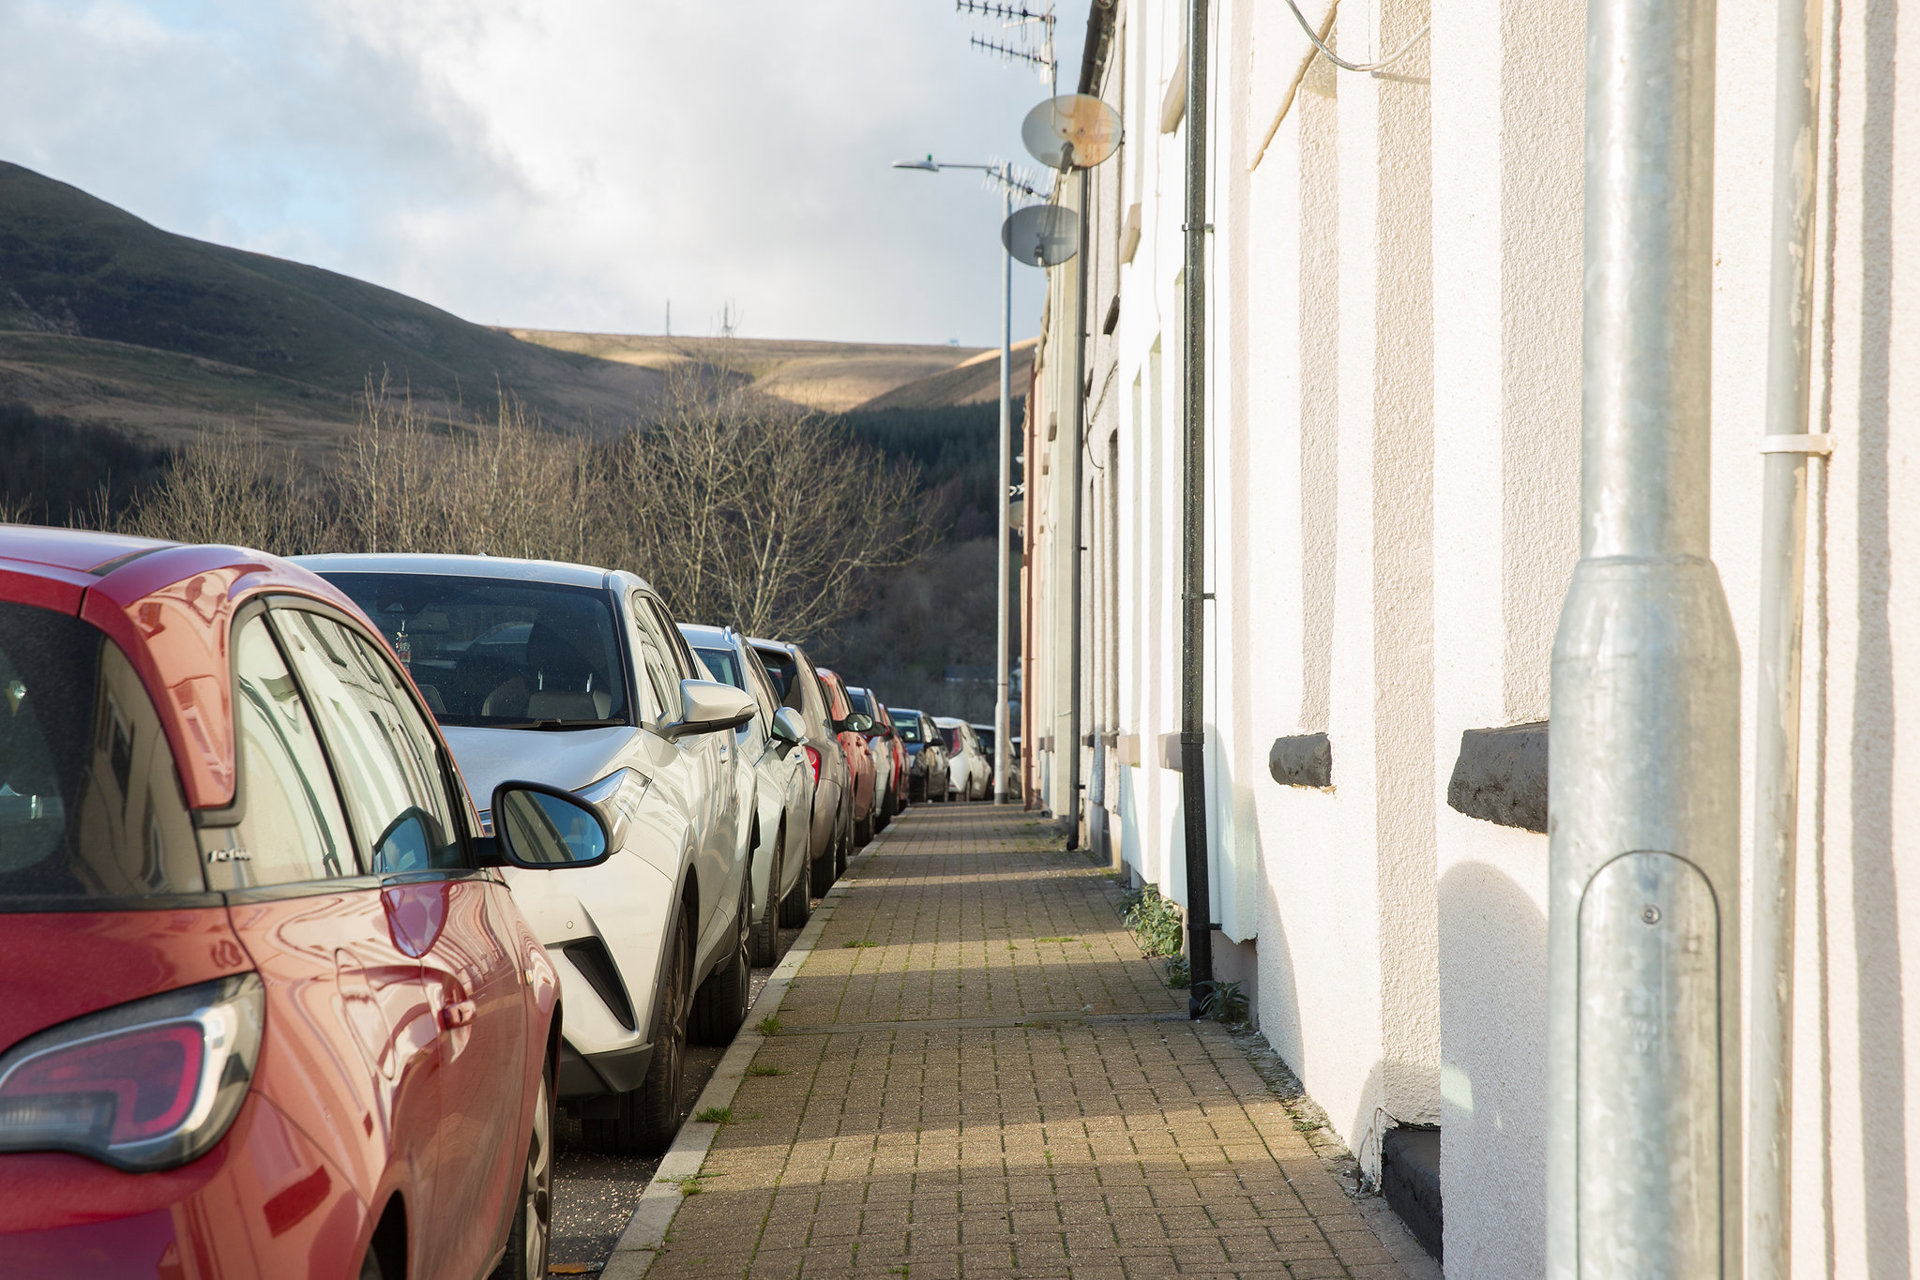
(908, 723)
(90, 802)
(496, 654)
(862, 702)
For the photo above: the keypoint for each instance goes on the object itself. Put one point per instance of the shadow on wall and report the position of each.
(1493, 1078)
(1883, 1100)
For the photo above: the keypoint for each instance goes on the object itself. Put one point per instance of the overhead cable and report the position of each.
(1320, 43)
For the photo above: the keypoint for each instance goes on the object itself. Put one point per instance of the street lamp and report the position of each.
(1009, 183)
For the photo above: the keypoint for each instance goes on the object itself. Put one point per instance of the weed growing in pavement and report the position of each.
(1177, 973)
(761, 1069)
(1056, 939)
(715, 1115)
(691, 1186)
(1222, 1001)
(768, 1026)
(860, 942)
(1155, 922)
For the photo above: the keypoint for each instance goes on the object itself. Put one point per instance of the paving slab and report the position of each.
(976, 1074)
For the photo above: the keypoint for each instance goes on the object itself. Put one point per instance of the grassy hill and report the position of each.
(106, 317)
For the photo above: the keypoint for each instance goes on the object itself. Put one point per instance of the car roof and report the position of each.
(948, 722)
(500, 568)
(168, 606)
(905, 711)
(709, 635)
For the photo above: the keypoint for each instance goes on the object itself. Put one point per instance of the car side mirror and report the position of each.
(707, 706)
(788, 728)
(543, 828)
(858, 722)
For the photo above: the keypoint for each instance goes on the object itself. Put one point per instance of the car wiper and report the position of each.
(550, 723)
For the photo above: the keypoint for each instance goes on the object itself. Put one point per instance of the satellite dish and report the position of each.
(1042, 235)
(1072, 131)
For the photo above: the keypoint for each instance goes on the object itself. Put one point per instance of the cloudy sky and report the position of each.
(565, 164)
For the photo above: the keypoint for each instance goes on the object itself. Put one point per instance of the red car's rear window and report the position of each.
(90, 802)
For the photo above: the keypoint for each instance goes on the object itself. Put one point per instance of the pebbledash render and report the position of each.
(1393, 381)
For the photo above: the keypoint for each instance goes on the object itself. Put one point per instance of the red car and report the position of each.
(266, 1009)
(852, 727)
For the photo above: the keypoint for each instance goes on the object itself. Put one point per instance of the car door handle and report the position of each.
(458, 1014)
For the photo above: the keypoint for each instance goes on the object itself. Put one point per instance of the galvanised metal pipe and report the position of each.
(1076, 549)
(1643, 957)
(1193, 617)
(1783, 559)
(1003, 585)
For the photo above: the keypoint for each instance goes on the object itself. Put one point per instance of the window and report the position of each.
(908, 723)
(662, 669)
(291, 828)
(90, 803)
(500, 655)
(724, 665)
(386, 758)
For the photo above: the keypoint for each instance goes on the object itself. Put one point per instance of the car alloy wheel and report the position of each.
(532, 1236)
(721, 1003)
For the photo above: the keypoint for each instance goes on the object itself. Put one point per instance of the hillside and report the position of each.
(832, 376)
(105, 317)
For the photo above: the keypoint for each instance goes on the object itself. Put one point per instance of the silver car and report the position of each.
(773, 744)
(830, 843)
(577, 677)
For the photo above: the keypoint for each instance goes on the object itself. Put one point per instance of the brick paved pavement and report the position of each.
(1000, 1086)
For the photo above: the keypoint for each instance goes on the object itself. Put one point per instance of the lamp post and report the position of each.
(1004, 176)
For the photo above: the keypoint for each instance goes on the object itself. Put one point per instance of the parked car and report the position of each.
(926, 754)
(772, 745)
(268, 1007)
(830, 842)
(970, 775)
(882, 742)
(983, 733)
(851, 728)
(577, 676)
(898, 787)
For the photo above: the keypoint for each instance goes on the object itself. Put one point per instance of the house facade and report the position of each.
(1392, 376)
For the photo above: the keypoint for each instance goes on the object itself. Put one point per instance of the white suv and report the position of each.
(969, 771)
(577, 677)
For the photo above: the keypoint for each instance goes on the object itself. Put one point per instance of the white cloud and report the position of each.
(563, 164)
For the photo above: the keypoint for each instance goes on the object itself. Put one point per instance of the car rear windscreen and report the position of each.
(90, 802)
(494, 654)
(725, 665)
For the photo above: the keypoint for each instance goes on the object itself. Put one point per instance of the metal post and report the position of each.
(1193, 603)
(1644, 870)
(1783, 529)
(1004, 585)
(1075, 553)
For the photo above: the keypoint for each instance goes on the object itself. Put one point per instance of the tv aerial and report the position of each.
(1071, 131)
(1042, 235)
(1032, 38)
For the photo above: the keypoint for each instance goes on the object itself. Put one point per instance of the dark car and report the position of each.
(926, 754)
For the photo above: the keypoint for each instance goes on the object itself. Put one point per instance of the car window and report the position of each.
(386, 760)
(499, 654)
(908, 723)
(676, 643)
(761, 682)
(656, 656)
(724, 666)
(291, 825)
(90, 802)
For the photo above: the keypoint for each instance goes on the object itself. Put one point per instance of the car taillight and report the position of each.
(142, 1086)
(813, 763)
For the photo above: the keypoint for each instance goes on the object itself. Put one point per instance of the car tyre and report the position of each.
(649, 1116)
(797, 907)
(370, 1266)
(764, 945)
(863, 832)
(843, 852)
(720, 1007)
(531, 1240)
